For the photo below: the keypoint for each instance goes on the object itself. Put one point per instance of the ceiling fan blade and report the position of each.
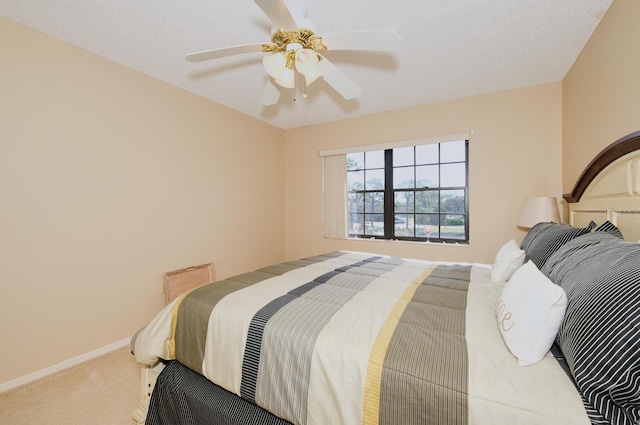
(225, 51)
(270, 94)
(338, 79)
(278, 13)
(382, 41)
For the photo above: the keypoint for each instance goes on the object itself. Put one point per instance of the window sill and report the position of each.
(398, 241)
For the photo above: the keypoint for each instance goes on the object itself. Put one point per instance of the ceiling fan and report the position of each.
(296, 48)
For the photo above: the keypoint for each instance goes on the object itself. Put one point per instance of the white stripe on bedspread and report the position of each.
(226, 334)
(336, 376)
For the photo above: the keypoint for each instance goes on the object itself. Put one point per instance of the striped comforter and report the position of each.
(354, 338)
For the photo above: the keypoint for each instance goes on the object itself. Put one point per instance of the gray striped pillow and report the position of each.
(600, 334)
(546, 238)
(609, 227)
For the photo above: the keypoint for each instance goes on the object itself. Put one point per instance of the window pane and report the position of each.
(403, 178)
(356, 224)
(355, 180)
(427, 154)
(403, 201)
(452, 201)
(355, 161)
(374, 202)
(452, 151)
(428, 225)
(453, 227)
(374, 224)
(374, 159)
(403, 156)
(401, 220)
(428, 220)
(427, 176)
(355, 202)
(403, 225)
(453, 175)
(375, 180)
(427, 201)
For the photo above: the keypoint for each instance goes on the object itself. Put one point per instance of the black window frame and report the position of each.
(389, 195)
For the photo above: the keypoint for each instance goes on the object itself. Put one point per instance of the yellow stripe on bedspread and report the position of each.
(371, 404)
(174, 324)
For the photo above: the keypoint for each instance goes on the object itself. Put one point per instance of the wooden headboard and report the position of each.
(609, 189)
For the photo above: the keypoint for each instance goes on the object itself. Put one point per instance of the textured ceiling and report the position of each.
(450, 48)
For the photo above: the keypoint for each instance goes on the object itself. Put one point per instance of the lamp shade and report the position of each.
(538, 210)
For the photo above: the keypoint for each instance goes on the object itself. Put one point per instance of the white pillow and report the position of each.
(508, 259)
(530, 311)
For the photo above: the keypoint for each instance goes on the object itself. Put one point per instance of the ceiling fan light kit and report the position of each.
(295, 48)
(307, 65)
(282, 65)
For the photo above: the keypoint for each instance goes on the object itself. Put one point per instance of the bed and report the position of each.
(545, 335)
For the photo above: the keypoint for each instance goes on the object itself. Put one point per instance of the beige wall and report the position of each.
(601, 101)
(514, 152)
(108, 178)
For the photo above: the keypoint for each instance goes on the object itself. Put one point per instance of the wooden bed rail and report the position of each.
(617, 149)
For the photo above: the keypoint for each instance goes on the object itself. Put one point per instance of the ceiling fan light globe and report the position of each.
(301, 56)
(275, 64)
(307, 65)
(286, 79)
(306, 61)
(306, 55)
(310, 77)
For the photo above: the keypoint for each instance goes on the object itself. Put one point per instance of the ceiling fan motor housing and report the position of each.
(303, 38)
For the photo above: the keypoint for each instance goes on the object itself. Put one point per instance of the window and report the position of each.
(409, 193)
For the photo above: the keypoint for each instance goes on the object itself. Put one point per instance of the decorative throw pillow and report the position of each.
(530, 311)
(546, 238)
(611, 228)
(509, 258)
(600, 334)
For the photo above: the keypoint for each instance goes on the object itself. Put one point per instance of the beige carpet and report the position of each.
(103, 391)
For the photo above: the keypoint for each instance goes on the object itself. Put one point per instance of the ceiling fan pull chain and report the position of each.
(295, 98)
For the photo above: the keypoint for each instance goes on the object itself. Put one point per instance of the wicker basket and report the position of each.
(178, 282)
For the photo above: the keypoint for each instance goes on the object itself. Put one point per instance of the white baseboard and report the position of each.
(6, 386)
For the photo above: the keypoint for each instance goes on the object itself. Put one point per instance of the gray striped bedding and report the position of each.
(546, 238)
(355, 338)
(600, 335)
(181, 396)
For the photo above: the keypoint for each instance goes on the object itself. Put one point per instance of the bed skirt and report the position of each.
(181, 397)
